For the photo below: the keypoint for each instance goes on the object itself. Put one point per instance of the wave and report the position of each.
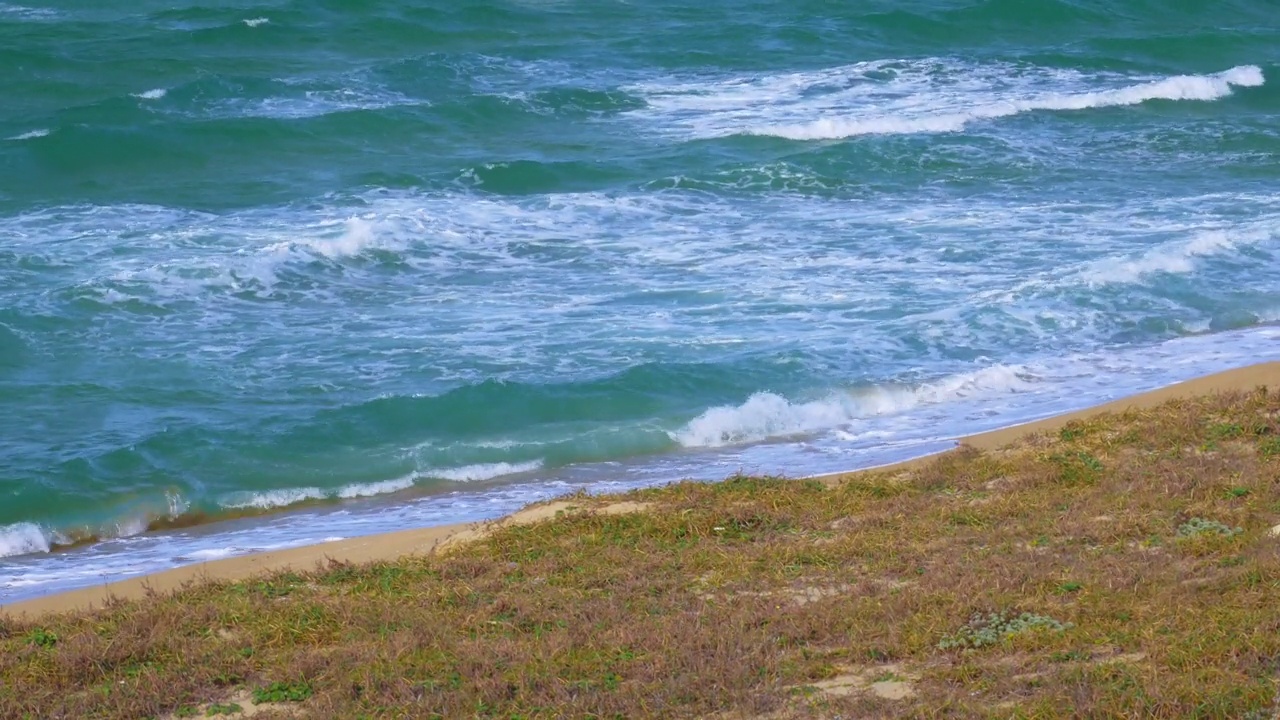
(1182, 87)
(385, 487)
(287, 98)
(484, 471)
(25, 538)
(22, 539)
(1176, 257)
(767, 416)
(22, 12)
(932, 95)
(358, 235)
(256, 22)
(286, 497)
(412, 247)
(31, 135)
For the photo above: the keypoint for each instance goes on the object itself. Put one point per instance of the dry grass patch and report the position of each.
(1122, 566)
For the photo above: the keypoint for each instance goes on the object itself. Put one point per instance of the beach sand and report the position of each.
(425, 540)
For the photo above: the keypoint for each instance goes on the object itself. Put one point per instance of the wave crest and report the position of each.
(484, 471)
(766, 416)
(892, 97)
(1181, 87)
(22, 539)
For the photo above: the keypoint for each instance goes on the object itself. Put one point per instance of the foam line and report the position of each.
(1180, 87)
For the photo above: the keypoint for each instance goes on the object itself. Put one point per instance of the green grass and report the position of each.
(282, 692)
(40, 637)
(1119, 567)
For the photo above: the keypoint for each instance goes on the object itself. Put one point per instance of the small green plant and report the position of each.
(1238, 492)
(1197, 527)
(1077, 468)
(42, 638)
(282, 692)
(1269, 447)
(186, 711)
(223, 709)
(611, 681)
(1071, 656)
(1070, 587)
(967, 518)
(993, 628)
(1225, 431)
(1071, 431)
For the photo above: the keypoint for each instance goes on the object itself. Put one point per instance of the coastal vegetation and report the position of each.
(1120, 565)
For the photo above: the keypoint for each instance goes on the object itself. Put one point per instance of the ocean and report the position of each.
(274, 273)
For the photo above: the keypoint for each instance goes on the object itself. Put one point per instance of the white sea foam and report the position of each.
(483, 471)
(929, 95)
(983, 273)
(375, 488)
(767, 415)
(213, 553)
(21, 539)
(358, 234)
(154, 94)
(39, 133)
(256, 22)
(1176, 257)
(297, 99)
(267, 499)
(22, 12)
(1181, 87)
(130, 527)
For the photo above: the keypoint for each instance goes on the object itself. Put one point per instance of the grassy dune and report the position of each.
(1123, 565)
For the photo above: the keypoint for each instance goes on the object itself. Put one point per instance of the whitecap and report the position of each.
(483, 471)
(358, 234)
(268, 499)
(256, 22)
(375, 488)
(22, 12)
(887, 97)
(765, 415)
(33, 134)
(1181, 87)
(154, 94)
(1174, 258)
(23, 538)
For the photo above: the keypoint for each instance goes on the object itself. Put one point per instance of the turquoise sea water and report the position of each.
(378, 264)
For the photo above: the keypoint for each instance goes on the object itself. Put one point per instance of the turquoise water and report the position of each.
(377, 264)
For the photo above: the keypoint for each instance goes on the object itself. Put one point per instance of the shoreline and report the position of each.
(393, 545)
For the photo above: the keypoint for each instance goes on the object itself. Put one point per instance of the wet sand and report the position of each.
(390, 546)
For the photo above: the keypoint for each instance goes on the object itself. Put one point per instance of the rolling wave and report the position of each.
(893, 97)
(768, 416)
(1182, 87)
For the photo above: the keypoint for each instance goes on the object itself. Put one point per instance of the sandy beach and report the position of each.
(425, 540)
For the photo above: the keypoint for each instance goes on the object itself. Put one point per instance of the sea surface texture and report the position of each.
(280, 272)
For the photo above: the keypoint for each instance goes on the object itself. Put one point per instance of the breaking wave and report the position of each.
(766, 416)
(893, 97)
(22, 539)
(1181, 87)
